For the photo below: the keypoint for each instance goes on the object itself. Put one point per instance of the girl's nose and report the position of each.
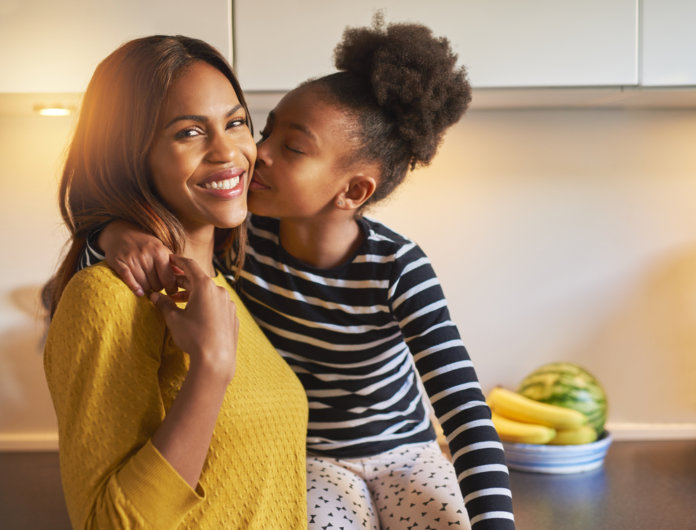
(262, 152)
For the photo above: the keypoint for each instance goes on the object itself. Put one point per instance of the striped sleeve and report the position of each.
(448, 375)
(92, 253)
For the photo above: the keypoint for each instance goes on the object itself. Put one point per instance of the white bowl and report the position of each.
(539, 458)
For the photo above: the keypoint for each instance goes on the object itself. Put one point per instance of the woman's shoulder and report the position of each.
(98, 288)
(98, 277)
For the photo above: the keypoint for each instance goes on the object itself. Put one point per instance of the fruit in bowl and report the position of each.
(523, 420)
(554, 422)
(571, 386)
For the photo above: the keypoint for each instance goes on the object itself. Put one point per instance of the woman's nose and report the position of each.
(223, 148)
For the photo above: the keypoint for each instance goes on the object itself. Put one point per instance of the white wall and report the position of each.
(31, 150)
(557, 235)
(569, 235)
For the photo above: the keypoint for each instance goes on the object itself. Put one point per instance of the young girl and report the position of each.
(151, 437)
(353, 306)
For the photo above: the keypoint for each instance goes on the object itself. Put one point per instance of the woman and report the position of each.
(151, 436)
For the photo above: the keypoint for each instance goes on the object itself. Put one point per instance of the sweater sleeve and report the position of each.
(448, 375)
(102, 358)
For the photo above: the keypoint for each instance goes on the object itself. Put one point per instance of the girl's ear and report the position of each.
(357, 191)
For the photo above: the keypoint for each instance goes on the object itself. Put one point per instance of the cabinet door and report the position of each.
(54, 46)
(503, 43)
(669, 43)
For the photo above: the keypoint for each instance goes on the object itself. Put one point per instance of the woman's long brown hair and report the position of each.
(106, 174)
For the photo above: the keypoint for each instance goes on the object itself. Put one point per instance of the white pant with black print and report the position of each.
(413, 487)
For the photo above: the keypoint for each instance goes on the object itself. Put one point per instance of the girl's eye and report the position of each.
(294, 150)
(263, 134)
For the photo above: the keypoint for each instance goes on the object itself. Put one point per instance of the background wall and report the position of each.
(31, 151)
(569, 235)
(557, 234)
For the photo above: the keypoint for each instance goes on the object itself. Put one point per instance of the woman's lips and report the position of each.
(225, 184)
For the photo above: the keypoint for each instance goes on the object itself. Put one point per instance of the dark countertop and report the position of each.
(642, 485)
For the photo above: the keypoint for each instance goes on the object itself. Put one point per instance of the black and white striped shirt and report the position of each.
(353, 335)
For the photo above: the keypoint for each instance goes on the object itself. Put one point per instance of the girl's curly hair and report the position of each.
(404, 88)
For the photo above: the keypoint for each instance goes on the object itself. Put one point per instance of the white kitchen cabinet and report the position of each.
(503, 43)
(51, 46)
(668, 43)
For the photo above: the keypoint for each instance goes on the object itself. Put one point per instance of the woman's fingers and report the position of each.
(166, 305)
(165, 272)
(187, 266)
(179, 297)
(208, 327)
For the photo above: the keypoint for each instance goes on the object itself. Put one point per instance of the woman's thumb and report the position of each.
(165, 304)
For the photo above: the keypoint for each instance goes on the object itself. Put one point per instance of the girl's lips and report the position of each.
(257, 183)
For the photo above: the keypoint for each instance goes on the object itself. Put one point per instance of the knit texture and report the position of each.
(113, 372)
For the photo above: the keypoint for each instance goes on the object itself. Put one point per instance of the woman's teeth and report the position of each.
(226, 184)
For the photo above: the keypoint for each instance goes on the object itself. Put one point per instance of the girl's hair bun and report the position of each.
(413, 77)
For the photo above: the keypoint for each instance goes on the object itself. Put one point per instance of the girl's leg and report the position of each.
(416, 487)
(337, 497)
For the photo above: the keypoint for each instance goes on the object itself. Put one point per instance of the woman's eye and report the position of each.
(238, 122)
(188, 133)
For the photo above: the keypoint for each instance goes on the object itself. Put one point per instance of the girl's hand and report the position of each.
(207, 328)
(139, 259)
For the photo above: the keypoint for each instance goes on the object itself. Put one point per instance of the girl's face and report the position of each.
(203, 152)
(299, 171)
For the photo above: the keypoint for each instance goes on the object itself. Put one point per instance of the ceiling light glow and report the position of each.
(53, 110)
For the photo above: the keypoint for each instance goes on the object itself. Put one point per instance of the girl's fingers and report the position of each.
(151, 273)
(134, 284)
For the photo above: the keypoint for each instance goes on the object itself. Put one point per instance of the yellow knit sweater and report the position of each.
(113, 373)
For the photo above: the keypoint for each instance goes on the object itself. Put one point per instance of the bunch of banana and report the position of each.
(523, 420)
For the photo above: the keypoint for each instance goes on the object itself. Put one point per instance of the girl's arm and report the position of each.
(450, 380)
(139, 259)
(126, 460)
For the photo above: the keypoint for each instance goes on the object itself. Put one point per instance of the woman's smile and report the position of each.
(225, 184)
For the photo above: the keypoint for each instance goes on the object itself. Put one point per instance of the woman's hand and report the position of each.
(207, 328)
(139, 259)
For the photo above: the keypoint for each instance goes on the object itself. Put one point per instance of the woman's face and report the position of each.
(299, 170)
(203, 152)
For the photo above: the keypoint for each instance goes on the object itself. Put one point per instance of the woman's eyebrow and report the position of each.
(200, 118)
